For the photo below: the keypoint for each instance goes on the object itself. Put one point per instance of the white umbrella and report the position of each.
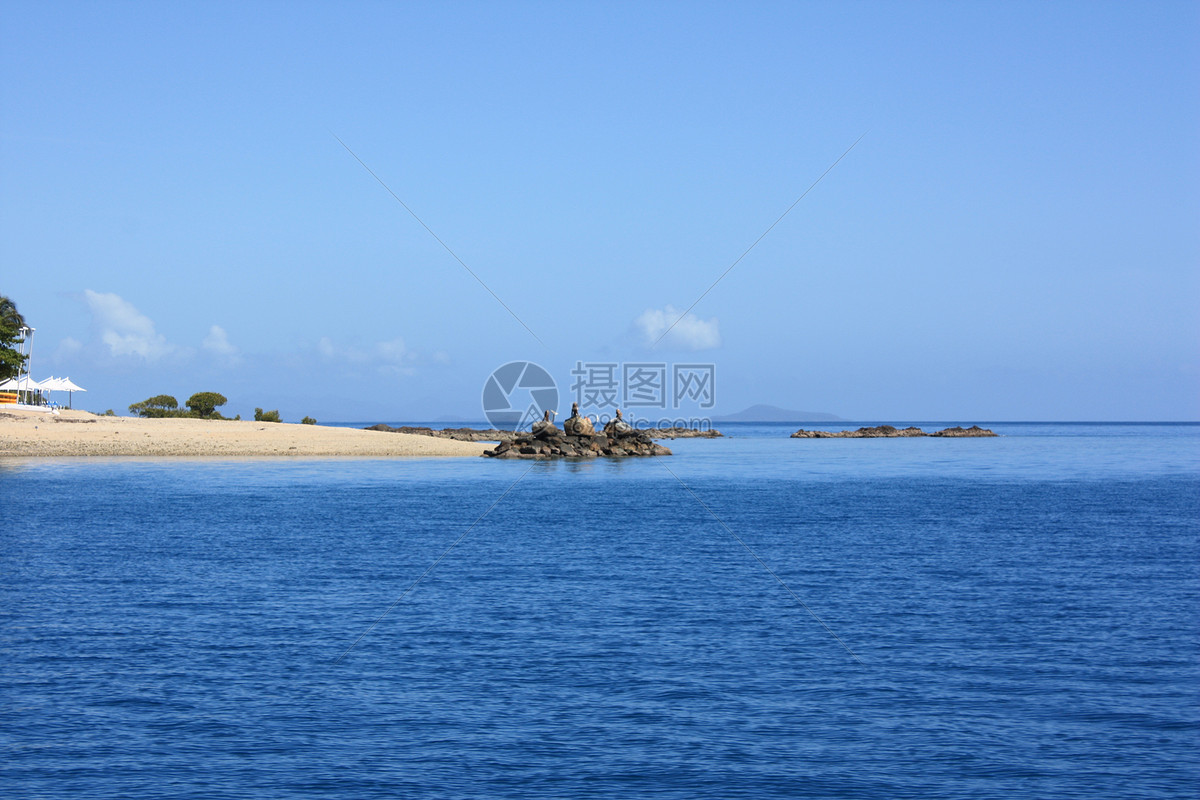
(23, 384)
(68, 386)
(53, 384)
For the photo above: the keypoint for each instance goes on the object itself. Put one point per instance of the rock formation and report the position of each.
(680, 432)
(548, 442)
(577, 425)
(461, 434)
(578, 439)
(958, 431)
(544, 427)
(890, 432)
(617, 426)
(494, 435)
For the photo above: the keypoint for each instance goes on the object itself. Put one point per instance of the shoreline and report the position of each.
(30, 433)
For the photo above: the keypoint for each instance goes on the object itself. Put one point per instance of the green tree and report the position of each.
(11, 323)
(266, 416)
(161, 405)
(204, 404)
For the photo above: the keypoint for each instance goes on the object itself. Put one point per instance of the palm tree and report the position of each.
(9, 316)
(11, 322)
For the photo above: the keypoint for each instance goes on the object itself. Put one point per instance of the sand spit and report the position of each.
(29, 433)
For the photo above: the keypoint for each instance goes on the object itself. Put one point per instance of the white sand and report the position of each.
(79, 433)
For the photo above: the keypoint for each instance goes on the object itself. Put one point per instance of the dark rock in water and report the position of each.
(879, 432)
(567, 445)
(619, 427)
(680, 432)
(890, 432)
(460, 434)
(958, 431)
(544, 429)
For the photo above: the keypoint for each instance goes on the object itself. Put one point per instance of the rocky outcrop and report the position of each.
(617, 426)
(545, 429)
(890, 432)
(880, 432)
(577, 424)
(555, 444)
(958, 432)
(461, 434)
(680, 432)
(578, 427)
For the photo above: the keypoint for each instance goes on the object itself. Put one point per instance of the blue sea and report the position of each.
(754, 617)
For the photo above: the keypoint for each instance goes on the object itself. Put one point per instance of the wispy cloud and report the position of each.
(124, 329)
(394, 352)
(388, 356)
(67, 349)
(217, 342)
(689, 333)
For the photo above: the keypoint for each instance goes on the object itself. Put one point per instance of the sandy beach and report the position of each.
(30, 433)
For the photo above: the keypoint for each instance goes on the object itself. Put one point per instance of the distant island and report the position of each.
(766, 413)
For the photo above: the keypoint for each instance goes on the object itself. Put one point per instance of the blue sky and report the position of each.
(1015, 237)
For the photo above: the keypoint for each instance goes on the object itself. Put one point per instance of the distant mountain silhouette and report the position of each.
(765, 413)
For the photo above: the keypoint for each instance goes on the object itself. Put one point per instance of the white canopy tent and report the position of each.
(51, 384)
(22, 384)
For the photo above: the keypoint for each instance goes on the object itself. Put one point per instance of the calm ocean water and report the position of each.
(1022, 614)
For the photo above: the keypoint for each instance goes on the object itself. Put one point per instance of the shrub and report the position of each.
(308, 421)
(204, 404)
(158, 406)
(109, 413)
(266, 416)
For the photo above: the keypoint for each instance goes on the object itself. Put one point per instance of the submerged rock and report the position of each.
(890, 432)
(460, 434)
(958, 431)
(680, 432)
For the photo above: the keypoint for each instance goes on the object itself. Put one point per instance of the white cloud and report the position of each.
(394, 352)
(389, 356)
(217, 342)
(689, 333)
(124, 329)
(67, 349)
(395, 357)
